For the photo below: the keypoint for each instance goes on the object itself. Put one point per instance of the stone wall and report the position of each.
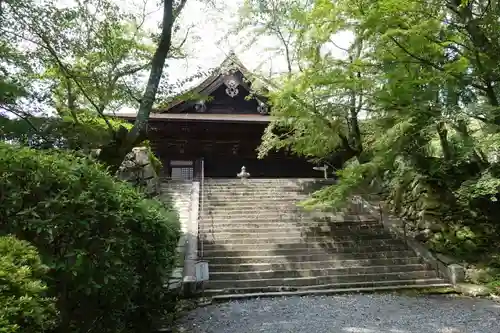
(137, 169)
(450, 270)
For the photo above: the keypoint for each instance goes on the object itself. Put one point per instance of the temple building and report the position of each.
(219, 131)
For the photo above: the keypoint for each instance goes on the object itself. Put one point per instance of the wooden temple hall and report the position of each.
(219, 133)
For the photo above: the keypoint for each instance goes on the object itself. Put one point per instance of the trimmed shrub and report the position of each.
(23, 305)
(109, 249)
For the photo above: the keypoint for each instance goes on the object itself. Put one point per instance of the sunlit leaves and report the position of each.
(419, 80)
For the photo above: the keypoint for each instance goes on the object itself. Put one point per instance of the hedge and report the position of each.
(24, 308)
(109, 249)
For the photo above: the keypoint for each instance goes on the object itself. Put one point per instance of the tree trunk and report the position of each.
(155, 74)
(114, 153)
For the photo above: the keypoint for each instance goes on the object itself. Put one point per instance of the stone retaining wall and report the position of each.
(453, 272)
(137, 169)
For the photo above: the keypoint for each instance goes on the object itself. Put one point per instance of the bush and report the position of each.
(23, 306)
(109, 249)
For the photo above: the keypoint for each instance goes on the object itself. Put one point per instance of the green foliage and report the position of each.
(23, 304)
(109, 249)
(85, 60)
(155, 161)
(409, 106)
(460, 241)
(88, 54)
(85, 132)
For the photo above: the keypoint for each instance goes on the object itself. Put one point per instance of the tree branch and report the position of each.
(47, 45)
(25, 117)
(433, 65)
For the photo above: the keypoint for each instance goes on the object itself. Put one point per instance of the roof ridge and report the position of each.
(230, 64)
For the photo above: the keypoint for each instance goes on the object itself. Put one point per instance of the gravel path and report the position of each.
(347, 314)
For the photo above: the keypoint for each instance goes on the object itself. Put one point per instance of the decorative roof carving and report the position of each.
(232, 86)
(200, 106)
(262, 108)
(231, 74)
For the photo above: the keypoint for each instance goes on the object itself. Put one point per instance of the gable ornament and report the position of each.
(200, 106)
(262, 108)
(232, 87)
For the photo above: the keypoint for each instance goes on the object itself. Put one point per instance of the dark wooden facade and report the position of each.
(224, 147)
(220, 133)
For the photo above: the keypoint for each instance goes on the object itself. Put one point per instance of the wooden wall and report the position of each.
(225, 148)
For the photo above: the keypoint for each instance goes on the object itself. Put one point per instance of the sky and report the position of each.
(209, 26)
(212, 27)
(212, 36)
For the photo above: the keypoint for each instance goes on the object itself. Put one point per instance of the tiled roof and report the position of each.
(214, 81)
(250, 118)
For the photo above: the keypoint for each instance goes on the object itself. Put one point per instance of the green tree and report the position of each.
(411, 105)
(85, 60)
(275, 19)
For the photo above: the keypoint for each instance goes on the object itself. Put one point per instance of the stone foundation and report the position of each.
(452, 271)
(137, 169)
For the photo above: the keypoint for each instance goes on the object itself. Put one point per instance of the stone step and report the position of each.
(290, 207)
(252, 201)
(249, 185)
(308, 265)
(265, 224)
(273, 218)
(276, 259)
(334, 235)
(257, 223)
(291, 273)
(287, 211)
(307, 229)
(315, 272)
(303, 245)
(261, 208)
(308, 250)
(262, 180)
(233, 293)
(254, 196)
(321, 280)
(241, 195)
(270, 185)
(257, 186)
(269, 239)
(277, 215)
(254, 192)
(255, 183)
(252, 185)
(270, 218)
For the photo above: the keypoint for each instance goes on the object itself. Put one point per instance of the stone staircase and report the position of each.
(179, 193)
(258, 242)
